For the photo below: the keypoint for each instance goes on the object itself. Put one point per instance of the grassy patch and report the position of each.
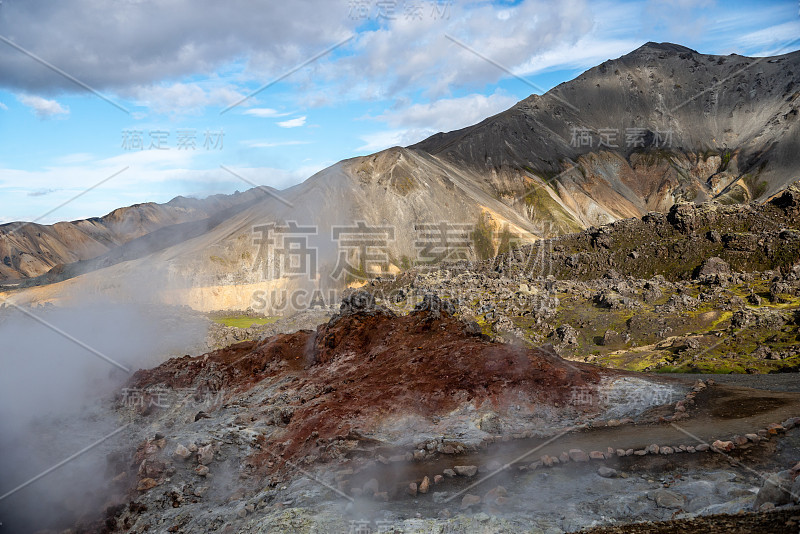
(243, 321)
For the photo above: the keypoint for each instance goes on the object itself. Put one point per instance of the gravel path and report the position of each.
(771, 382)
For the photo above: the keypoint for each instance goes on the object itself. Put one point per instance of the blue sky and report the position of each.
(395, 78)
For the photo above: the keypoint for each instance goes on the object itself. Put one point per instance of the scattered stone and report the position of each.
(425, 485)
(597, 455)
(437, 479)
(723, 446)
(469, 500)
(577, 455)
(201, 470)
(182, 452)
(775, 428)
(567, 335)
(703, 447)
(713, 270)
(640, 452)
(563, 457)
(466, 470)
(549, 461)
(205, 455)
(668, 499)
(776, 490)
(497, 495)
(653, 449)
(620, 452)
(449, 473)
(146, 484)
(666, 450)
(412, 489)
(607, 472)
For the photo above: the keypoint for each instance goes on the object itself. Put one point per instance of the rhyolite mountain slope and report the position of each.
(733, 123)
(31, 249)
(728, 131)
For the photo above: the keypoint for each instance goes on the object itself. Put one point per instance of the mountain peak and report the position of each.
(664, 47)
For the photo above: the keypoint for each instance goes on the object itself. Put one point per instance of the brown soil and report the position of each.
(364, 367)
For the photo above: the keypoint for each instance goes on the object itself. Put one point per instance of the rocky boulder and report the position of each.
(713, 270)
(777, 490)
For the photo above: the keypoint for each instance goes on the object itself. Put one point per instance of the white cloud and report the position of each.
(411, 124)
(151, 176)
(145, 44)
(265, 113)
(377, 141)
(585, 53)
(449, 113)
(118, 45)
(71, 159)
(177, 98)
(293, 123)
(3, 107)
(42, 107)
(773, 40)
(409, 54)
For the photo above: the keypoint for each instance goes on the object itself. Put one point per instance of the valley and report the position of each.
(580, 314)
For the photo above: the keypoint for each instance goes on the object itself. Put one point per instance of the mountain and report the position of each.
(29, 249)
(632, 135)
(714, 127)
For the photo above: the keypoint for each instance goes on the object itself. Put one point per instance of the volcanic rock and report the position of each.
(466, 470)
(425, 485)
(577, 455)
(607, 472)
(182, 452)
(469, 500)
(205, 455)
(362, 363)
(776, 489)
(668, 499)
